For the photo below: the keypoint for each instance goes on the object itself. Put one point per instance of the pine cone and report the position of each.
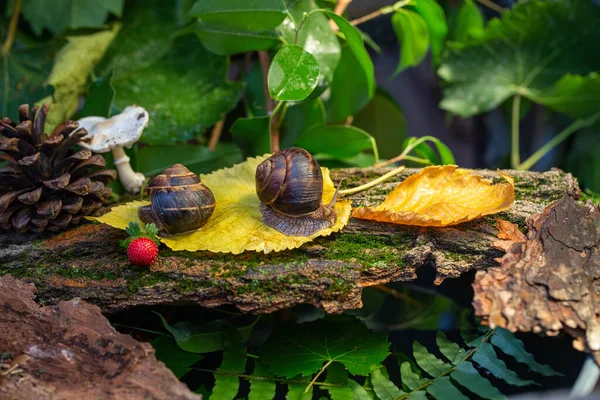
(49, 183)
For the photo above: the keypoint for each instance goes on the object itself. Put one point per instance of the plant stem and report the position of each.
(556, 140)
(265, 63)
(373, 182)
(340, 7)
(265, 378)
(12, 28)
(215, 134)
(404, 154)
(381, 11)
(327, 364)
(274, 128)
(492, 6)
(515, 156)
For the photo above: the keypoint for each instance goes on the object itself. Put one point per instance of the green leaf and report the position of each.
(144, 38)
(449, 349)
(99, 99)
(226, 41)
(254, 95)
(428, 362)
(420, 395)
(71, 71)
(261, 389)
(487, 358)
(204, 338)
(175, 359)
(345, 100)
(293, 74)
(410, 379)
(300, 118)
(468, 23)
(508, 343)
(413, 35)
(575, 95)
(358, 392)
(303, 348)
(356, 44)
(315, 36)
(518, 54)
(24, 74)
(252, 135)
(58, 15)
(180, 100)
(152, 160)
(423, 150)
(443, 389)
(234, 361)
(434, 16)
(383, 387)
(384, 120)
(468, 377)
(337, 141)
(336, 374)
(257, 15)
(296, 392)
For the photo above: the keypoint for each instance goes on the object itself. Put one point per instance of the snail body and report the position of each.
(179, 202)
(289, 185)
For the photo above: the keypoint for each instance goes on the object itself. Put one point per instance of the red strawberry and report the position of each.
(142, 248)
(142, 251)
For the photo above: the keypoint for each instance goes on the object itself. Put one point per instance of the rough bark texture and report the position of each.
(551, 281)
(70, 351)
(329, 273)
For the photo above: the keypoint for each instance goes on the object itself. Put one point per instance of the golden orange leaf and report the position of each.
(236, 224)
(441, 196)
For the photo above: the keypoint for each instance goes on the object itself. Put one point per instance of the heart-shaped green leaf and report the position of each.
(293, 74)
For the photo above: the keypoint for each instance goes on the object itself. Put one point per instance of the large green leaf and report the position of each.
(574, 95)
(71, 72)
(346, 99)
(252, 135)
(24, 73)
(58, 15)
(315, 36)
(304, 348)
(337, 141)
(99, 99)
(181, 100)
(356, 44)
(413, 34)
(293, 74)
(176, 359)
(384, 120)
(226, 40)
(522, 54)
(299, 118)
(434, 16)
(256, 15)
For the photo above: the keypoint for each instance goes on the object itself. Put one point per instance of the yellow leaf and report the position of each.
(236, 224)
(442, 196)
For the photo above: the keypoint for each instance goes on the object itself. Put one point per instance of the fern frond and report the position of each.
(234, 362)
(383, 387)
(261, 389)
(488, 359)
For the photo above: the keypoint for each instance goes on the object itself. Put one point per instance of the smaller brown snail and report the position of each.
(179, 202)
(289, 185)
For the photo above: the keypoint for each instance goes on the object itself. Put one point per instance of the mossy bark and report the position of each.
(329, 272)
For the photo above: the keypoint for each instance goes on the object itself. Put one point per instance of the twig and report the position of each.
(265, 378)
(398, 295)
(215, 134)
(492, 6)
(12, 28)
(374, 182)
(327, 364)
(515, 155)
(382, 11)
(340, 7)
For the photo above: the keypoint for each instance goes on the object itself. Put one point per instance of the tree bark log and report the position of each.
(329, 272)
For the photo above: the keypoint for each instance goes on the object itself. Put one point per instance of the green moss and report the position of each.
(369, 250)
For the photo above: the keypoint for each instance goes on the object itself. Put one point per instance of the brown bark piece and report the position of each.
(328, 272)
(550, 282)
(70, 351)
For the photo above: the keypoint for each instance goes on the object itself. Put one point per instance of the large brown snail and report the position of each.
(179, 202)
(289, 185)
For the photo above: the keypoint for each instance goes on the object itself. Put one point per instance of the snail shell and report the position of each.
(179, 202)
(289, 185)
